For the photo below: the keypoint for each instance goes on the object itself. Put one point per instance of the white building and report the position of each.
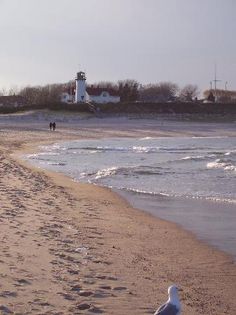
(101, 95)
(68, 95)
(82, 94)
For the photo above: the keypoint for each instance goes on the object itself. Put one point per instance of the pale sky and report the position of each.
(48, 41)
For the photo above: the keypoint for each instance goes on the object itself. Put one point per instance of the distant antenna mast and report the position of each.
(215, 80)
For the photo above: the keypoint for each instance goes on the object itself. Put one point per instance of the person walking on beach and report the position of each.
(54, 126)
(50, 125)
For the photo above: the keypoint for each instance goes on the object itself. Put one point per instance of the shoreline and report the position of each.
(183, 219)
(128, 253)
(122, 196)
(195, 221)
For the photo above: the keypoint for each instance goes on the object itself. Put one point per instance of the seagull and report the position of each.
(172, 305)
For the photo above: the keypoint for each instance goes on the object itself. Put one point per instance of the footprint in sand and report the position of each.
(22, 282)
(85, 293)
(6, 294)
(5, 310)
(67, 296)
(119, 288)
(102, 294)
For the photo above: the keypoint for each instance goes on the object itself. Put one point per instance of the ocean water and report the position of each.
(188, 180)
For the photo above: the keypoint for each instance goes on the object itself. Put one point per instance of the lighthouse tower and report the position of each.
(80, 89)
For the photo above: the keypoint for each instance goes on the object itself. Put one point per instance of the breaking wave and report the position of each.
(221, 164)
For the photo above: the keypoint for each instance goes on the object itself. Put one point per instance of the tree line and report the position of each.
(129, 91)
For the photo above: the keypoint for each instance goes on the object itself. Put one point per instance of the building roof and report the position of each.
(97, 91)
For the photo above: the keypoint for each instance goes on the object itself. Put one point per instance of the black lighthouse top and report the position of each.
(81, 76)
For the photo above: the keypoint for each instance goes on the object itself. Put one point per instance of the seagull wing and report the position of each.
(167, 309)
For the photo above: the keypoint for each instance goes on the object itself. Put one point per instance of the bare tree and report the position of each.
(168, 90)
(128, 90)
(189, 93)
(3, 92)
(55, 92)
(106, 85)
(160, 92)
(13, 90)
(149, 93)
(42, 95)
(31, 94)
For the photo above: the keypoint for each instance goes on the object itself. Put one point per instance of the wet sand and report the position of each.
(211, 222)
(70, 248)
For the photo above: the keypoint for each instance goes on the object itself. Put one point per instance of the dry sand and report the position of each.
(69, 248)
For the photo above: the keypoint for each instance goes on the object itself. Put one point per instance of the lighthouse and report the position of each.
(80, 87)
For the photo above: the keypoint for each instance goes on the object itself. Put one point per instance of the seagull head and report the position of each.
(173, 295)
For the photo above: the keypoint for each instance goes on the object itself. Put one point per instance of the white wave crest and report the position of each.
(140, 149)
(219, 164)
(145, 192)
(106, 172)
(198, 157)
(230, 153)
(146, 138)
